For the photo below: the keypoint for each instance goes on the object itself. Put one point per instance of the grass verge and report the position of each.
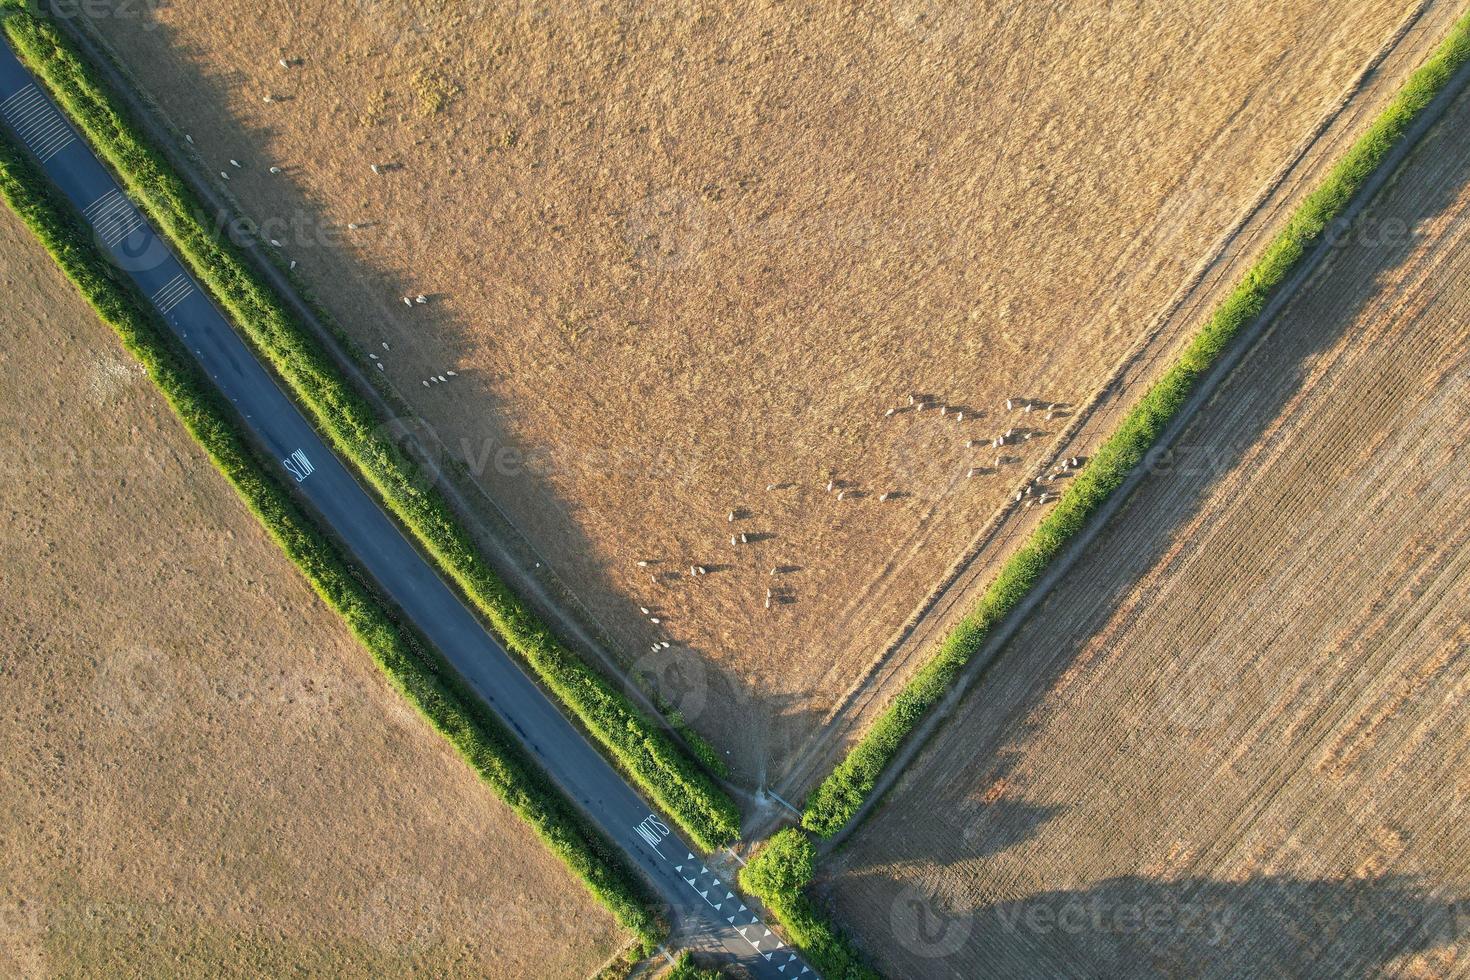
(833, 803)
(639, 746)
(778, 875)
(410, 665)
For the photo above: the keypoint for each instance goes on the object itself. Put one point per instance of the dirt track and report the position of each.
(1229, 743)
(673, 259)
(202, 774)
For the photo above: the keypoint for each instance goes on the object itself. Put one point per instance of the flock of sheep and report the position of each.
(1029, 494)
(435, 378)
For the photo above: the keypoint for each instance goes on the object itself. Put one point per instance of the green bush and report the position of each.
(778, 875)
(685, 968)
(411, 665)
(842, 793)
(640, 747)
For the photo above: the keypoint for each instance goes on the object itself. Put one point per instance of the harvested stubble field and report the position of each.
(202, 773)
(1231, 742)
(675, 255)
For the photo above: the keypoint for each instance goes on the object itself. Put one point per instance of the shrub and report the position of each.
(843, 792)
(413, 668)
(636, 744)
(778, 875)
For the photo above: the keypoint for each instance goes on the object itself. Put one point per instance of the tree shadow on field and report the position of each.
(1268, 925)
(518, 477)
(1129, 926)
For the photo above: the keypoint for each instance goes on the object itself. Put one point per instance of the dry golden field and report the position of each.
(201, 773)
(1232, 742)
(676, 253)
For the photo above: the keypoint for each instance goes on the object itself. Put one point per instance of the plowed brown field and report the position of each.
(676, 253)
(201, 773)
(1231, 743)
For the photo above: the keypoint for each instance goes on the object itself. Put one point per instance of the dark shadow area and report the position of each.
(1263, 927)
(515, 495)
(1131, 926)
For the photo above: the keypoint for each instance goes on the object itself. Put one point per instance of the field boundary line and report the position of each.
(639, 748)
(963, 579)
(849, 792)
(412, 666)
(493, 530)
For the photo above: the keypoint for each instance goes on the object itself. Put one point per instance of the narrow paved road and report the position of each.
(704, 906)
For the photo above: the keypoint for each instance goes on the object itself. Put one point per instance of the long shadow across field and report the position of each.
(1134, 927)
(1335, 926)
(700, 680)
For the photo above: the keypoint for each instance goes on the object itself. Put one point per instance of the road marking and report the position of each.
(653, 831)
(37, 122)
(174, 292)
(756, 933)
(113, 217)
(298, 465)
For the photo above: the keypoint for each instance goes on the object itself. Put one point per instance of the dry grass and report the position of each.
(202, 774)
(1232, 741)
(681, 254)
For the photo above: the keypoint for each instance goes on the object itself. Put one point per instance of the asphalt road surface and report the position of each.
(708, 911)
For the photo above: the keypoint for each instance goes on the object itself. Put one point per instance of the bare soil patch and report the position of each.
(1229, 742)
(202, 774)
(675, 255)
